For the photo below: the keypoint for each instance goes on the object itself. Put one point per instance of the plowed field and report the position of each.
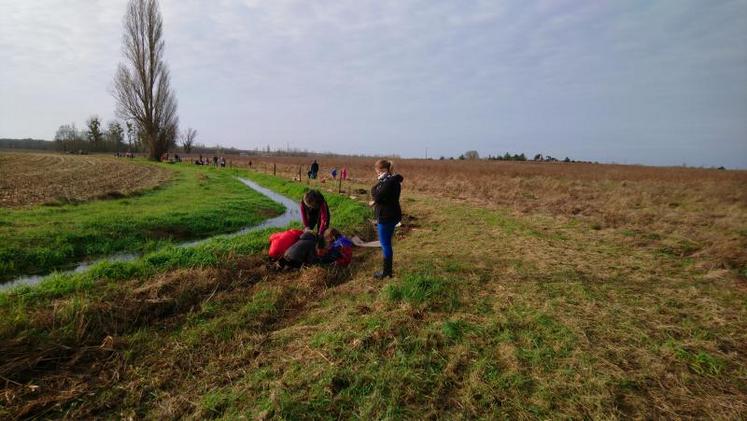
(34, 178)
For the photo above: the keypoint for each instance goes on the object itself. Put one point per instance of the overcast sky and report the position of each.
(654, 82)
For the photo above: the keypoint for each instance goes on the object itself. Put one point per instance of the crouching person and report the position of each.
(280, 242)
(339, 250)
(302, 252)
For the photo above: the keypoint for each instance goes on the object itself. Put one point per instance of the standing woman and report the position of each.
(315, 212)
(385, 201)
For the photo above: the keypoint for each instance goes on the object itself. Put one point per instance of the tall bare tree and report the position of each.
(188, 139)
(141, 86)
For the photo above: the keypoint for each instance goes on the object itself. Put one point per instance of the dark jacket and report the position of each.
(385, 195)
(302, 251)
(312, 217)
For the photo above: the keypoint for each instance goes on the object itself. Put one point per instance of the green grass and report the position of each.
(101, 301)
(425, 290)
(197, 203)
(347, 216)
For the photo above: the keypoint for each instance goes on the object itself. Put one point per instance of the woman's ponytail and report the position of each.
(385, 165)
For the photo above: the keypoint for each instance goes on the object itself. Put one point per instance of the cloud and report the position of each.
(598, 80)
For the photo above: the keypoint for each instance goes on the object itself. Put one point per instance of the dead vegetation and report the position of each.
(690, 212)
(33, 178)
(90, 337)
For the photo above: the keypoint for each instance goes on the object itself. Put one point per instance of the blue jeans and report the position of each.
(386, 231)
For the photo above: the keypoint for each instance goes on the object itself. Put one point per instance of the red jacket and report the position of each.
(312, 217)
(281, 241)
(346, 256)
(340, 252)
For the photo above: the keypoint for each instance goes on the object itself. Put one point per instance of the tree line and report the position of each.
(470, 155)
(95, 138)
(115, 137)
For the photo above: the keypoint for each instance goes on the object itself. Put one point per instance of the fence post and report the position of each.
(339, 185)
(274, 169)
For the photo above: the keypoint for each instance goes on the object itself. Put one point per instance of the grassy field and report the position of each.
(494, 313)
(196, 202)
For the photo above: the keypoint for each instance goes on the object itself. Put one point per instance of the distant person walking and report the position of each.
(385, 194)
(333, 173)
(315, 212)
(344, 173)
(314, 170)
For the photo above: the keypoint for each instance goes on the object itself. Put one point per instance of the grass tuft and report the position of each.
(424, 290)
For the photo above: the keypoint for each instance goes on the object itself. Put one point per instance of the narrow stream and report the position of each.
(291, 214)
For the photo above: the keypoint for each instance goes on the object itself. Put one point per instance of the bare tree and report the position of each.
(471, 155)
(141, 86)
(67, 137)
(188, 139)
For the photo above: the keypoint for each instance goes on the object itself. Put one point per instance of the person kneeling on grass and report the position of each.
(302, 252)
(280, 242)
(315, 213)
(339, 250)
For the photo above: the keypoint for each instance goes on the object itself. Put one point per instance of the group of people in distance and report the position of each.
(217, 161)
(166, 157)
(124, 155)
(319, 243)
(313, 172)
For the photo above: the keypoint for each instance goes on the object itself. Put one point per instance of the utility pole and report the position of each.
(426, 152)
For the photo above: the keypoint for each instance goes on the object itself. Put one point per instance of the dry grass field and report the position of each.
(35, 178)
(698, 213)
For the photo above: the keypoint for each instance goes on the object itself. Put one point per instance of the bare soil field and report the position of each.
(689, 212)
(35, 178)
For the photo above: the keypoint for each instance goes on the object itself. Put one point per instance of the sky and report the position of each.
(627, 81)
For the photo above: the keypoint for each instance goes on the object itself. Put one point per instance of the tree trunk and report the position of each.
(156, 149)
